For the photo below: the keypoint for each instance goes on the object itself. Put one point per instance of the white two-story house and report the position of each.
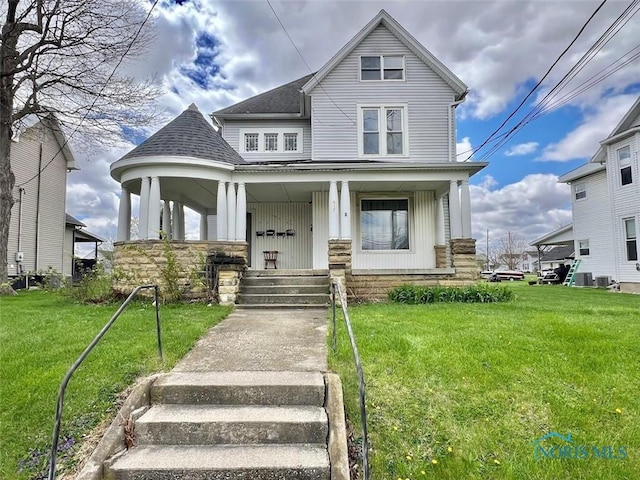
(606, 205)
(352, 166)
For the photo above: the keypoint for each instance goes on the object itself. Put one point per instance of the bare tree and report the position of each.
(510, 250)
(60, 57)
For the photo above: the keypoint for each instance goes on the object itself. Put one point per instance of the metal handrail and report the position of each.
(74, 367)
(361, 385)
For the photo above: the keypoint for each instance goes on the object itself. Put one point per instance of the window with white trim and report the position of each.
(271, 140)
(580, 190)
(382, 67)
(384, 224)
(250, 142)
(583, 247)
(290, 142)
(631, 239)
(382, 131)
(624, 163)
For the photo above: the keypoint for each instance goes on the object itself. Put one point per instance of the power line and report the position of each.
(307, 65)
(541, 80)
(95, 99)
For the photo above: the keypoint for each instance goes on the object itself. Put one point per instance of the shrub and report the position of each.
(95, 286)
(417, 295)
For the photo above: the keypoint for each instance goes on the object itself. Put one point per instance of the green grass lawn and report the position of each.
(461, 391)
(42, 334)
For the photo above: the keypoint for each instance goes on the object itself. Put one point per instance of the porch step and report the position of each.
(288, 288)
(231, 424)
(240, 388)
(284, 299)
(276, 272)
(223, 462)
(273, 280)
(284, 289)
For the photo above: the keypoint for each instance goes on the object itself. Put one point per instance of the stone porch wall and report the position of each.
(141, 262)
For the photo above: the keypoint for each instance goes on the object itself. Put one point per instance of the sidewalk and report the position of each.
(262, 340)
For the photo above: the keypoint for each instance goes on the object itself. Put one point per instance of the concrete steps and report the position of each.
(281, 288)
(230, 425)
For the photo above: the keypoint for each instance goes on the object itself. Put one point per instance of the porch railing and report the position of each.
(336, 288)
(87, 351)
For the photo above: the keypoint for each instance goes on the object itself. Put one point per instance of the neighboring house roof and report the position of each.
(627, 124)
(73, 221)
(383, 18)
(50, 121)
(82, 236)
(560, 236)
(581, 172)
(558, 253)
(188, 135)
(284, 99)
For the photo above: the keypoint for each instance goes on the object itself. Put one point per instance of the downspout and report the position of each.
(36, 263)
(451, 128)
(20, 196)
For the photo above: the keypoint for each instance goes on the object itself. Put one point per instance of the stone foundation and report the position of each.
(463, 253)
(178, 267)
(340, 265)
(630, 287)
(441, 256)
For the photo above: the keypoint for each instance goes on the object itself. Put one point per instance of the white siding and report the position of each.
(592, 222)
(24, 163)
(294, 252)
(626, 203)
(231, 133)
(335, 134)
(320, 201)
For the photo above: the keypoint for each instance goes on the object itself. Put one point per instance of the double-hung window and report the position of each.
(383, 131)
(384, 224)
(624, 162)
(583, 247)
(631, 238)
(580, 190)
(382, 67)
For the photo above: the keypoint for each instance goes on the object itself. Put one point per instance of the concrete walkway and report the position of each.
(262, 340)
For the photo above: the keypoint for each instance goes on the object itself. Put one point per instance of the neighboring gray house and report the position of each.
(354, 165)
(40, 161)
(606, 206)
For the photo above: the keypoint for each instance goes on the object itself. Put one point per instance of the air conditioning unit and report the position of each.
(603, 282)
(584, 279)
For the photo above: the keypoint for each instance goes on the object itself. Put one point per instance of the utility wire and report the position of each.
(95, 99)
(307, 65)
(495, 132)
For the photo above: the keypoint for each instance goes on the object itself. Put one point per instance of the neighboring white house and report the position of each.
(606, 205)
(362, 151)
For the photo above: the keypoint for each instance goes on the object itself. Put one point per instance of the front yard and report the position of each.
(462, 391)
(42, 334)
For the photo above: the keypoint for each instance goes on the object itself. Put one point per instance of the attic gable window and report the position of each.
(272, 141)
(250, 142)
(624, 162)
(382, 67)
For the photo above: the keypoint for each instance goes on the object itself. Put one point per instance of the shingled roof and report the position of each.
(283, 99)
(188, 135)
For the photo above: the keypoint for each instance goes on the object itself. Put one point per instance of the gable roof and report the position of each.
(562, 235)
(558, 253)
(73, 221)
(624, 125)
(283, 99)
(188, 135)
(383, 18)
(581, 172)
(50, 121)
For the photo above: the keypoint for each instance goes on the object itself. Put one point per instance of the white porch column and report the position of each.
(334, 211)
(166, 219)
(231, 212)
(345, 212)
(465, 209)
(241, 213)
(454, 210)
(143, 214)
(440, 236)
(178, 221)
(124, 216)
(204, 228)
(221, 214)
(154, 209)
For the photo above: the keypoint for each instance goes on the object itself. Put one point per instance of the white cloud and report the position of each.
(522, 149)
(531, 207)
(463, 149)
(597, 125)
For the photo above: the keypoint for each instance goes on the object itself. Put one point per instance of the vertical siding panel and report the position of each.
(335, 135)
(321, 230)
(295, 252)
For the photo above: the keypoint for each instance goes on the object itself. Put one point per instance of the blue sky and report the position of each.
(215, 53)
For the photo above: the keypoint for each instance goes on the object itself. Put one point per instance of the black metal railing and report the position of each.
(74, 367)
(336, 288)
